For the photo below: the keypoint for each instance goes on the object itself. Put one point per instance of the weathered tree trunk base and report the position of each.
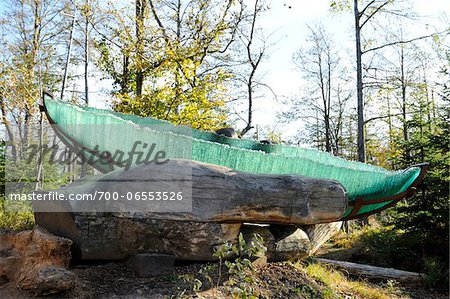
(376, 273)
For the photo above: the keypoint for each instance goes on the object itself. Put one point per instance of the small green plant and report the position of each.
(240, 269)
(222, 252)
(207, 271)
(21, 219)
(433, 272)
(191, 279)
(328, 294)
(15, 220)
(306, 291)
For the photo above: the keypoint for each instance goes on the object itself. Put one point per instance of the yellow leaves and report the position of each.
(170, 53)
(183, 87)
(340, 5)
(201, 107)
(19, 90)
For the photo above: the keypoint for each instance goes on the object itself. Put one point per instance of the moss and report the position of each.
(15, 220)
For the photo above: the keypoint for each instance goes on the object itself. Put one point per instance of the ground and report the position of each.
(272, 280)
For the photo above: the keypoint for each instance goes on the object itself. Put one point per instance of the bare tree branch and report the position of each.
(405, 41)
(373, 13)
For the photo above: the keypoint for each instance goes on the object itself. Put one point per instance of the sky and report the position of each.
(285, 25)
(289, 19)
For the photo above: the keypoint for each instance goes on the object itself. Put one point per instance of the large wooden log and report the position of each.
(219, 194)
(374, 272)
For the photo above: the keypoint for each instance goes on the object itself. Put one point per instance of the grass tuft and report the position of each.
(338, 283)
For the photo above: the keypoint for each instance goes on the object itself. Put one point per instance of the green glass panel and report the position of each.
(359, 179)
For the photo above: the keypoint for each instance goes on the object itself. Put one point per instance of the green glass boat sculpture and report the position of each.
(91, 132)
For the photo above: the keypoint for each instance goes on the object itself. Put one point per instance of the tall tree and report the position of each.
(326, 92)
(179, 59)
(362, 17)
(87, 18)
(141, 6)
(68, 55)
(255, 50)
(364, 14)
(29, 57)
(425, 217)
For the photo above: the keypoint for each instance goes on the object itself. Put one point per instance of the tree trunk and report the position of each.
(69, 49)
(359, 92)
(11, 139)
(140, 15)
(39, 176)
(403, 87)
(86, 53)
(124, 88)
(254, 63)
(86, 67)
(359, 87)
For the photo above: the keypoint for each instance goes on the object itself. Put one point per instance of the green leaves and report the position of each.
(240, 269)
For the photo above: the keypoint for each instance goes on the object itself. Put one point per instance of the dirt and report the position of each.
(117, 280)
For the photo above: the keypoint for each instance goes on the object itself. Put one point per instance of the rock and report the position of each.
(260, 261)
(36, 261)
(287, 242)
(115, 236)
(51, 280)
(281, 231)
(249, 230)
(150, 264)
(294, 246)
(227, 132)
(320, 233)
